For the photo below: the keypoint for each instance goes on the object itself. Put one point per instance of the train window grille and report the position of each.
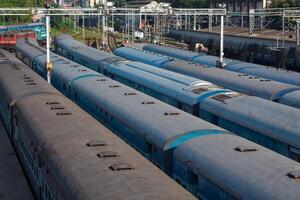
(192, 177)
(294, 153)
(108, 154)
(246, 149)
(121, 167)
(96, 143)
(171, 113)
(64, 87)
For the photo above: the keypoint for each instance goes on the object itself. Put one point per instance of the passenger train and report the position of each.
(207, 160)
(38, 28)
(252, 85)
(248, 116)
(267, 72)
(68, 155)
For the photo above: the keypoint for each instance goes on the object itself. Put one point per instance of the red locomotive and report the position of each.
(8, 39)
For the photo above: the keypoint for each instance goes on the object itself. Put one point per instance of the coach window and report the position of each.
(192, 178)
(64, 87)
(294, 153)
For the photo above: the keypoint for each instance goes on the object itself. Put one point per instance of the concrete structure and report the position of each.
(240, 5)
(91, 3)
(138, 3)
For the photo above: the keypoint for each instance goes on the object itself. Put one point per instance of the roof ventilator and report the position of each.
(63, 113)
(129, 93)
(31, 83)
(294, 174)
(52, 103)
(148, 102)
(96, 143)
(199, 90)
(57, 108)
(114, 86)
(169, 113)
(245, 149)
(108, 154)
(121, 167)
(221, 97)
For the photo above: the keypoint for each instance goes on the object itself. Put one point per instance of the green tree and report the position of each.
(189, 3)
(285, 3)
(21, 3)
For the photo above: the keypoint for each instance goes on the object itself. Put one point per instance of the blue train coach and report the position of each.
(166, 135)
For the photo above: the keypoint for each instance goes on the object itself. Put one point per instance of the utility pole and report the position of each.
(48, 63)
(220, 62)
(222, 42)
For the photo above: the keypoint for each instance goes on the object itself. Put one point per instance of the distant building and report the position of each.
(91, 3)
(240, 5)
(138, 3)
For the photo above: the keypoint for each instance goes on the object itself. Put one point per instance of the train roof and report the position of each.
(169, 51)
(142, 56)
(291, 99)
(189, 94)
(244, 169)
(170, 122)
(243, 83)
(65, 135)
(35, 50)
(276, 121)
(77, 47)
(158, 122)
(21, 82)
(273, 73)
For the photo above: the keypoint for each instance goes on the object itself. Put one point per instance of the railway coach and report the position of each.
(267, 72)
(66, 153)
(247, 116)
(252, 85)
(159, 131)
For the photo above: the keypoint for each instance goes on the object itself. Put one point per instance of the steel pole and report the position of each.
(222, 41)
(298, 34)
(48, 64)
